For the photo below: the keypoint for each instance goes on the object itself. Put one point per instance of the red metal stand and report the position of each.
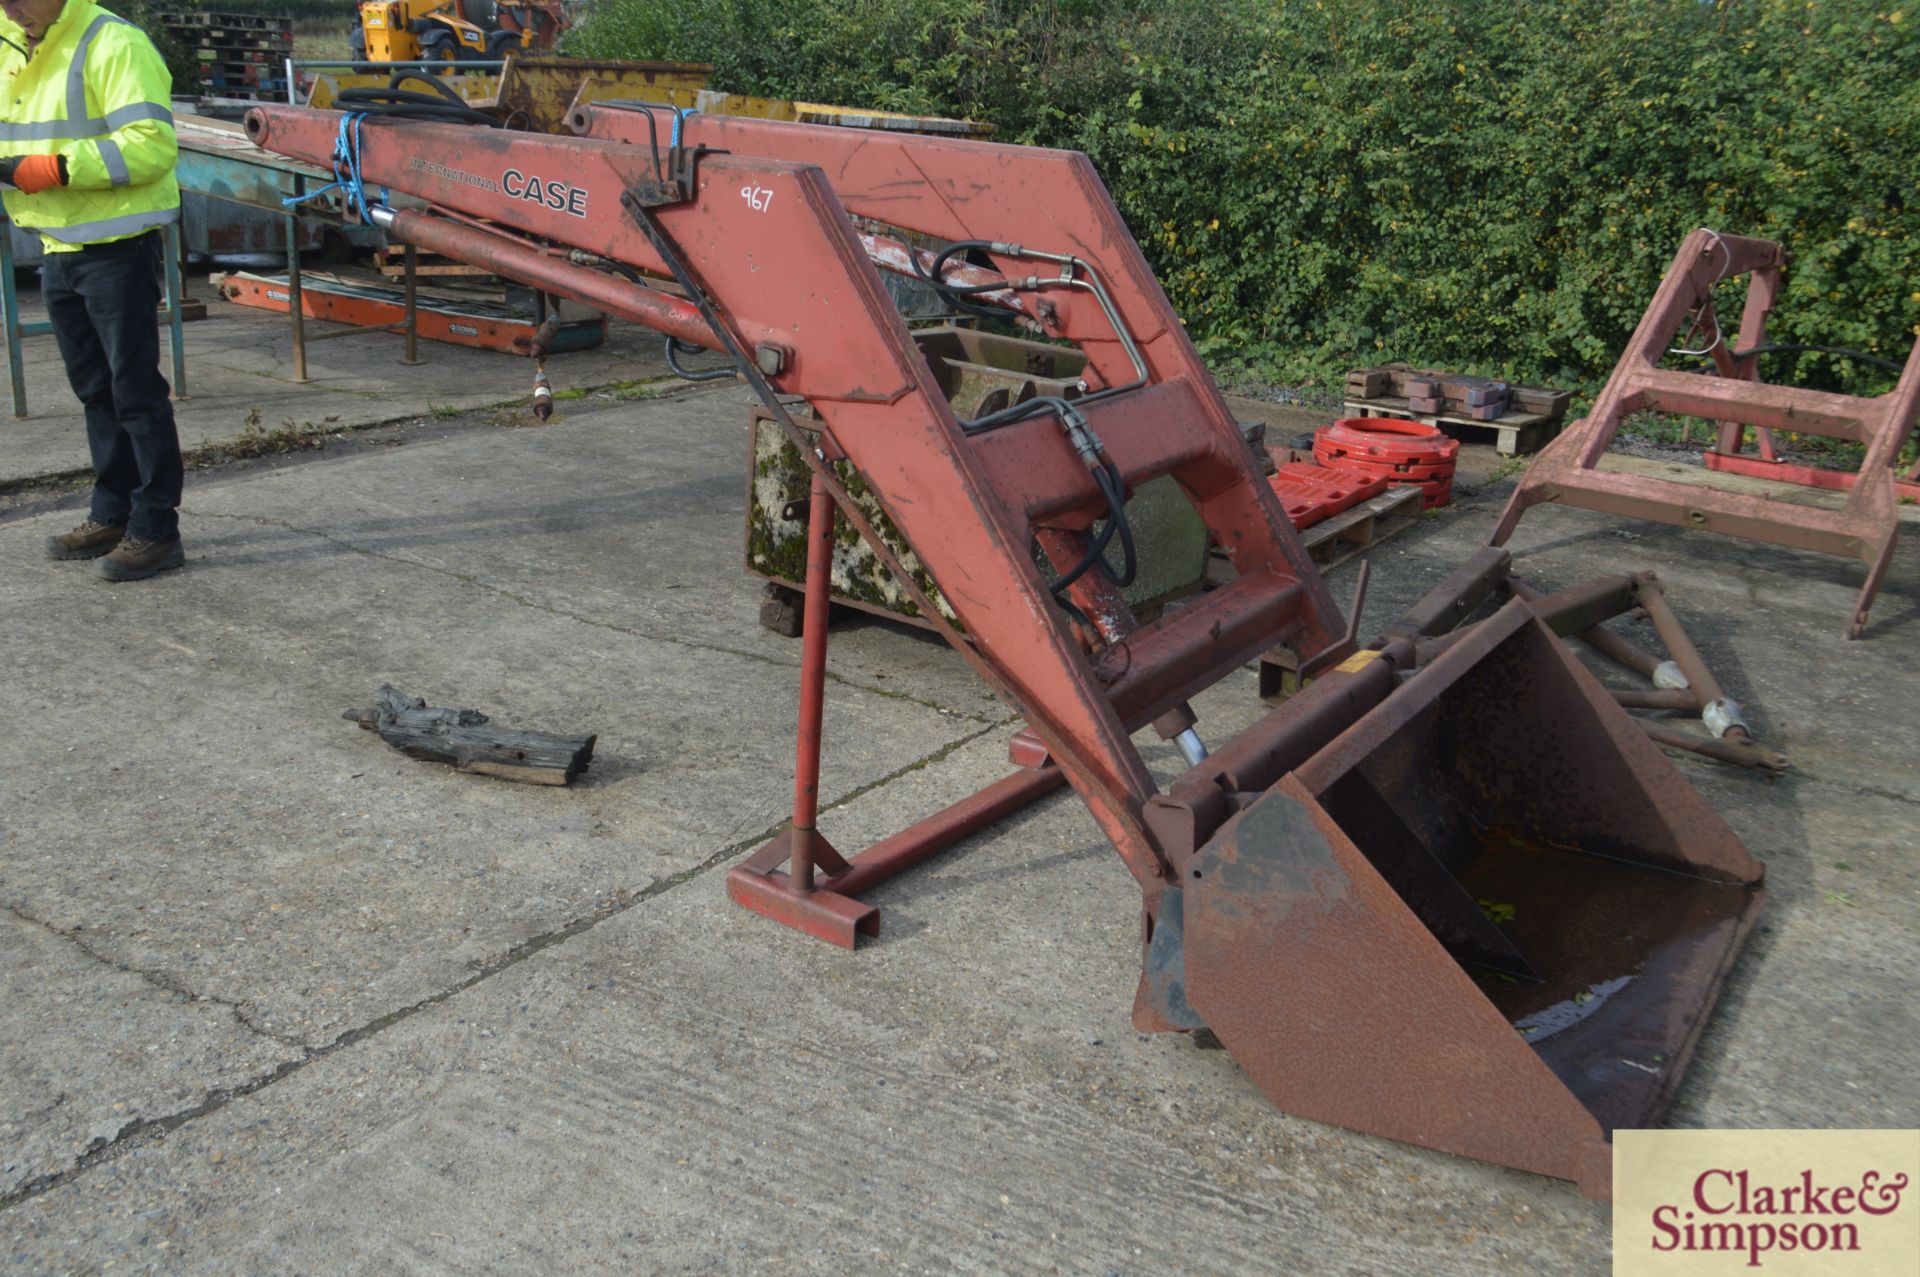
(1865, 527)
(1767, 467)
(828, 909)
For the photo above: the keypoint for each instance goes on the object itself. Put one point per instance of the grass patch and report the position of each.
(649, 388)
(256, 440)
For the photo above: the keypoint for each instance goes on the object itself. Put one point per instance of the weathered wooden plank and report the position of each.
(462, 739)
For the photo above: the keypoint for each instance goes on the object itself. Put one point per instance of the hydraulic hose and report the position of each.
(407, 104)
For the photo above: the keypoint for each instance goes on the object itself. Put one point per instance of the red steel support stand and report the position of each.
(828, 909)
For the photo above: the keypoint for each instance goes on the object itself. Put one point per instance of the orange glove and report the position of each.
(38, 172)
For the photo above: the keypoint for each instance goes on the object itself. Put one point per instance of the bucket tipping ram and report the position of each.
(1312, 892)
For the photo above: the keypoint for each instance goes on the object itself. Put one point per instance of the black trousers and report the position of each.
(104, 303)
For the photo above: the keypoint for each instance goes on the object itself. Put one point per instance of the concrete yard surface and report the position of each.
(240, 379)
(277, 998)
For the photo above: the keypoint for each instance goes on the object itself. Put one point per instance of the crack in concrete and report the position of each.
(149, 1129)
(1687, 760)
(158, 979)
(84, 474)
(628, 630)
(937, 756)
(1864, 791)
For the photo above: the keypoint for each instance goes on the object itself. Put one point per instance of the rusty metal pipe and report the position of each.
(1337, 699)
(1606, 642)
(1450, 602)
(1720, 713)
(894, 255)
(1679, 698)
(654, 309)
(1622, 651)
(1727, 751)
(1299, 728)
(1580, 608)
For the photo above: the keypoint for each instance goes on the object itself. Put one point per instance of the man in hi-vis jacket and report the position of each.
(87, 157)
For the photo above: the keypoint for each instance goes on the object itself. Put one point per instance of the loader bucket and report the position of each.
(1488, 918)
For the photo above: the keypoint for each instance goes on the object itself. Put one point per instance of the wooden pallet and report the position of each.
(226, 55)
(1515, 433)
(1334, 540)
(231, 21)
(201, 39)
(214, 91)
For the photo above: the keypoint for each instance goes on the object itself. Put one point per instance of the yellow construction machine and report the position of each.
(453, 30)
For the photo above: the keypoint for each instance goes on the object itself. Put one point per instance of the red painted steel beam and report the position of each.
(1755, 404)
(1804, 475)
(902, 851)
(660, 311)
(829, 910)
(813, 681)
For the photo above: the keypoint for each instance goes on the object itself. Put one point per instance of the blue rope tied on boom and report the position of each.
(679, 115)
(346, 169)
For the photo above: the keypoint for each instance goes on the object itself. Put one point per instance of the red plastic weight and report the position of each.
(1310, 493)
(1387, 439)
(1407, 452)
(1397, 471)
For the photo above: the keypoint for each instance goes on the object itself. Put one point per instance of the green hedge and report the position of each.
(1481, 184)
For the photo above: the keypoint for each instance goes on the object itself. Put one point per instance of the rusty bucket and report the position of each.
(1488, 917)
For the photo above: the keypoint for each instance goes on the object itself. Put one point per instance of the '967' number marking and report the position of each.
(757, 197)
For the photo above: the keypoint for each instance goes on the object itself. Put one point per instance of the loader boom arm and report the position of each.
(777, 256)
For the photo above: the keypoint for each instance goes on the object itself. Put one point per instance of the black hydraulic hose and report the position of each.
(955, 294)
(1091, 557)
(1026, 408)
(675, 345)
(406, 104)
(440, 87)
(1108, 479)
(1111, 484)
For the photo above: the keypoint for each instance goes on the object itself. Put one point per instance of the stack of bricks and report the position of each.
(238, 55)
(1431, 393)
(1369, 383)
(1543, 400)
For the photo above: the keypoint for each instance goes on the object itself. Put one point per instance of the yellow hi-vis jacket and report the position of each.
(96, 91)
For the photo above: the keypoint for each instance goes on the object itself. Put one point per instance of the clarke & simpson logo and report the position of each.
(1779, 1202)
(1726, 1212)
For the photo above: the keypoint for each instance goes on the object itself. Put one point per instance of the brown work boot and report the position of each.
(88, 541)
(136, 559)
